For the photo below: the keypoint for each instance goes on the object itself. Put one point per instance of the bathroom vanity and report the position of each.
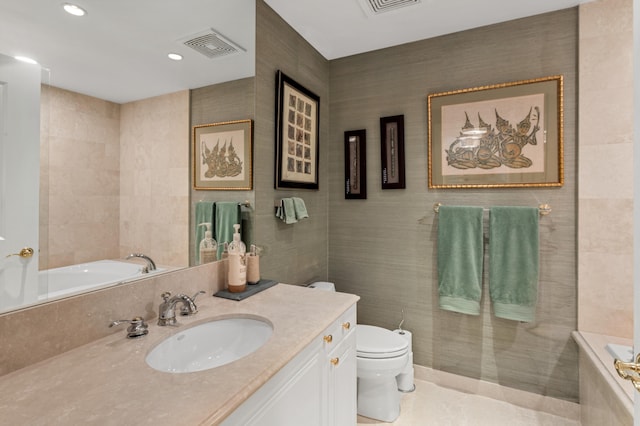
(304, 374)
(318, 387)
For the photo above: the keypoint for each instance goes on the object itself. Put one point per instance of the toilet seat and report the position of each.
(378, 343)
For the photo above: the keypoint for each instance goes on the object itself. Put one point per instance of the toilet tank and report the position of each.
(323, 285)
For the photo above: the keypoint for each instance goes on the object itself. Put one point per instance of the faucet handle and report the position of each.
(166, 295)
(197, 294)
(191, 308)
(137, 328)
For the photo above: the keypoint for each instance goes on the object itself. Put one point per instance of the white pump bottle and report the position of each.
(208, 246)
(237, 276)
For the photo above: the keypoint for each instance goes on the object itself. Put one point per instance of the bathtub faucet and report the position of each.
(167, 310)
(151, 265)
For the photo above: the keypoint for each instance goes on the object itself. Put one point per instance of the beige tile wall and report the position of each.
(154, 182)
(115, 178)
(80, 161)
(605, 195)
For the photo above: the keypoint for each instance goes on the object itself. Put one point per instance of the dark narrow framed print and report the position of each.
(392, 152)
(355, 164)
(297, 131)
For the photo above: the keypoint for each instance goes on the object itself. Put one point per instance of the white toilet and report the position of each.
(381, 356)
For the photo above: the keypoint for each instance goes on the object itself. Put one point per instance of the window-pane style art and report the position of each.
(505, 135)
(297, 142)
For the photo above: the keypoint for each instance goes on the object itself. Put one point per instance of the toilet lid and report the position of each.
(377, 342)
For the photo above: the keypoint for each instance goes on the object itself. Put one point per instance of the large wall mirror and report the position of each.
(95, 140)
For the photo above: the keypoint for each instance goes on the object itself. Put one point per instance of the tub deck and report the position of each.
(594, 347)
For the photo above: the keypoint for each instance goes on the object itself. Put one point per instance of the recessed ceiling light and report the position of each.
(25, 59)
(74, 10)
(175, 56)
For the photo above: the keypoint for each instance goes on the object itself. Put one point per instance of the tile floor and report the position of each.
(433, 405)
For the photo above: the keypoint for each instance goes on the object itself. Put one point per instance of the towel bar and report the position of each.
(544, 209)
(246, 204)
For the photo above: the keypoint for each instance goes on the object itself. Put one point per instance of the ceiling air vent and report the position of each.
(379, 6)
(212, 44)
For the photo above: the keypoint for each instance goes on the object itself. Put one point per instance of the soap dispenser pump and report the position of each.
(237, 246)
(208, 246)
(237, 266)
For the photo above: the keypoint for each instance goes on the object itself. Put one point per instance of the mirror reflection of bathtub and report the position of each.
(69, 280)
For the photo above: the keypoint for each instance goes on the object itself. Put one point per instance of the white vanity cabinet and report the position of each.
(316, 388)
(341, 372)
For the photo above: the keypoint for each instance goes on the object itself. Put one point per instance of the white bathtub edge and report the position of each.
(594, 347)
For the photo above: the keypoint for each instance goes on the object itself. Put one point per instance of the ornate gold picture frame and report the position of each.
(504, 135)
(222, 156)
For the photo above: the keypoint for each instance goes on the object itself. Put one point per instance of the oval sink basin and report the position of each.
(209, 345)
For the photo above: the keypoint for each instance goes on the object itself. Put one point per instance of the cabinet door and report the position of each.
(291, 398)
(343, 382)
(297, 402)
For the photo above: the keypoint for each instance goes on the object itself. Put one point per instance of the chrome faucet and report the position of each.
(137, 327)
(189, 309)
(151, 265)
(167, 310)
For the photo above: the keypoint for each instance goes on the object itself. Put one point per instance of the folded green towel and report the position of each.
(204, 214)
(227, 214)
(300, 208)
(289, 211)
(513, 262)
(460, 255)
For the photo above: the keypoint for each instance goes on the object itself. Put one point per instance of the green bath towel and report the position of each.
(227, 214)
(204, 214)
(513, 262)
(460, 255)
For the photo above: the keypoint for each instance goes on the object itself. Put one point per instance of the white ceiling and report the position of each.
(118, 51)
(338, 28)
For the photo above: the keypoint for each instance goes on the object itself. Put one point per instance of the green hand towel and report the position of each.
(460, 255)
(300, 208)
(227, 214)
(289, 211)
(513, 262)
(204, 214)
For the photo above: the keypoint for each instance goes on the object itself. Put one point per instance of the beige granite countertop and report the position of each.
(107, 382)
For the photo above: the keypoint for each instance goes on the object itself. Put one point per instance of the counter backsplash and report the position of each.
(34, 334)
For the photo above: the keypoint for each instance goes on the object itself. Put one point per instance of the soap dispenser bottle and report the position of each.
(253, 266)
(208, 246)
(237, 266)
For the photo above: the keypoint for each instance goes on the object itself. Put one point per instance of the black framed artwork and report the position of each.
(297, 131)
(392, 152)
(355, 164)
